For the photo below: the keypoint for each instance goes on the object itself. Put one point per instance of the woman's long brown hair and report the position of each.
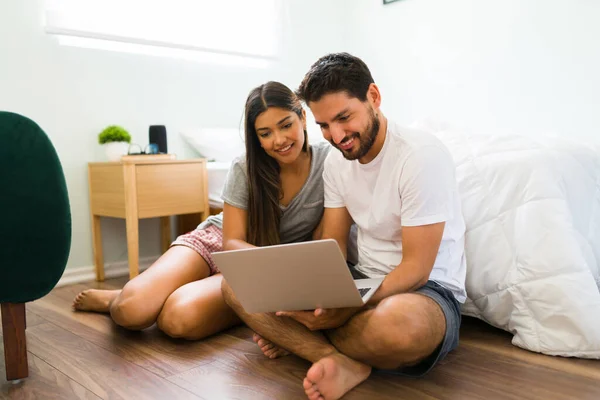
(264, 182)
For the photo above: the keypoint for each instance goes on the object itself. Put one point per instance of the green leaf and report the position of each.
(114, 133)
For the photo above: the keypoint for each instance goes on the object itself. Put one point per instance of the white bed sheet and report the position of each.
(217, 173)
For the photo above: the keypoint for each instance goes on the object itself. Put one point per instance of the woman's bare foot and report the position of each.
(95, 300)
(333, 376)
(268, 348)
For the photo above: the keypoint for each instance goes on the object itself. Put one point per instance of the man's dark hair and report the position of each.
(336, 72)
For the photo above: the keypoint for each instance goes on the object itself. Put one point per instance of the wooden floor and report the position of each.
(85, 356)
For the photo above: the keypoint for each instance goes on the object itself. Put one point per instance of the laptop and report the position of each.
(292, 277)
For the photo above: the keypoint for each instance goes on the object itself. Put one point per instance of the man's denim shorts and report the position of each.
(451, 308)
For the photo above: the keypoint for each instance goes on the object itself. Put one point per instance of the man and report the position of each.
(399, 187)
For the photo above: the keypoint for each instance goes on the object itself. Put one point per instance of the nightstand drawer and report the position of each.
(169, 189)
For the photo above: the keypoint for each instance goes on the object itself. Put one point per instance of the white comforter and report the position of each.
(532, 210)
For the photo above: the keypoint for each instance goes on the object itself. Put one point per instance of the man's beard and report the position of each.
(365, 139)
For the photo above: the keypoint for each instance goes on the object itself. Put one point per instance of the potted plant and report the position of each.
(115, 140)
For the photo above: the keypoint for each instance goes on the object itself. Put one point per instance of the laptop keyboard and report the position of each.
(363, 291)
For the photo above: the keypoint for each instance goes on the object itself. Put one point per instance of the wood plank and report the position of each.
(44, 382)
(218, 381)
(229, 365)
(102, 372)
(242, 356)
(245, 357)
(150, 349)
(389, 387)
(472, 373)
(496, 375)
(32, 319)
(480, 335)
(241, 332)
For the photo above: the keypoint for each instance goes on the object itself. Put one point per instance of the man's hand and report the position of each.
(321, 318)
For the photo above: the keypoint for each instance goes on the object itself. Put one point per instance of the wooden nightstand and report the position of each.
(136, 189)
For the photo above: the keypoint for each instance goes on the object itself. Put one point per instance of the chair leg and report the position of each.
(24, 313)
(15, 345)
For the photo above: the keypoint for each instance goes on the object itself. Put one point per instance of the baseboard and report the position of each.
(111, 270)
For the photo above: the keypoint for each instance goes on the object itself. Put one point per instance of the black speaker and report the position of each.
(158, 135)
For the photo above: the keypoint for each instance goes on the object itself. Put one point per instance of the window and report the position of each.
(213, 30)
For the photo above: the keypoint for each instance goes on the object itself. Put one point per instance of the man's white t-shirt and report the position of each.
(411, 182)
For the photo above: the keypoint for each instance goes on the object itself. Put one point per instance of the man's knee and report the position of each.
(396, 331)
(404, 331)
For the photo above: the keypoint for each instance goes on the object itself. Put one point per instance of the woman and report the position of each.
(273, 195)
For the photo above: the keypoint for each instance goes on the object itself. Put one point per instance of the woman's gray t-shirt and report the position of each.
(300, 217)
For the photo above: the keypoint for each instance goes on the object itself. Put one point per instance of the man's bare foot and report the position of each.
(268, 348)
(333, 376)
(95, 300)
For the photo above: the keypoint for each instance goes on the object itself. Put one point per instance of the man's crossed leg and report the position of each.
(344, 345)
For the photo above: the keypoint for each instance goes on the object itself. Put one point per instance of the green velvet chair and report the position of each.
(35, 229)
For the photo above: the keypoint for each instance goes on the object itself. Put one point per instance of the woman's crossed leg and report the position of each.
(177, 291)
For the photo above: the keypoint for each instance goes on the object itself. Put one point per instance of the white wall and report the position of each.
(528, 66)
(525, 66)
(73, 93)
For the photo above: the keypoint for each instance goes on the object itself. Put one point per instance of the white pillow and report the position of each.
(313, 130)
(217, 174)
(218, 144)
